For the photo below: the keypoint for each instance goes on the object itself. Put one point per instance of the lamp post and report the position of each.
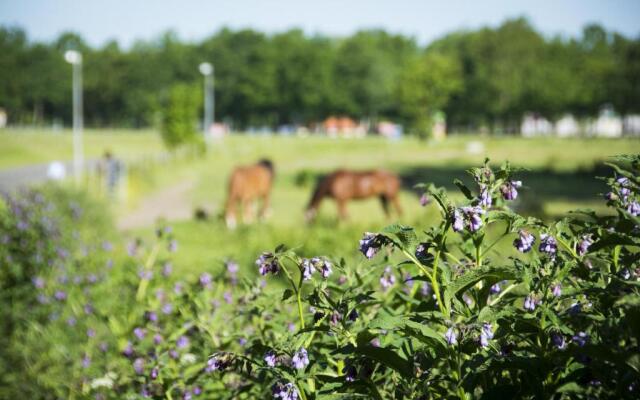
(75, 59)
(206, 69)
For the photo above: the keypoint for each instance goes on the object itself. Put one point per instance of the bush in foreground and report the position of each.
(485, 304)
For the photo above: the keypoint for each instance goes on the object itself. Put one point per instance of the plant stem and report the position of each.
(296, 290)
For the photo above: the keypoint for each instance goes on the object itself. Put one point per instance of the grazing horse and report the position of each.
(247, 185)
(344, 185)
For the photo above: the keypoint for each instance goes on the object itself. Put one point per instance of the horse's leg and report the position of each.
(230, 213)
(247, 211)
(396, 204)
(342, 209)
(264, 209)
(384, 200)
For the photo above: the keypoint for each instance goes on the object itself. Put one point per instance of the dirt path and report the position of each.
(171, 203)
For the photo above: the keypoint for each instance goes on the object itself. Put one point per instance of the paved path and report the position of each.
(170, 203)
(15, 178)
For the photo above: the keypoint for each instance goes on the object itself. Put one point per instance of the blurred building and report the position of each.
(343, 127)
(608, 124)
(567, 126)
(389, 130)
(534, 124)
(631, 125)
(3, 118)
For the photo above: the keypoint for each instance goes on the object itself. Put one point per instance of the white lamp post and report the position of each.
(75, 59)
(206, 69)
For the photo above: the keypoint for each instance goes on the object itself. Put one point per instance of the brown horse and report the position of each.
(247, 185)
(344, 185)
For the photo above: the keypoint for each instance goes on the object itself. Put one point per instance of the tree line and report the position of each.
(480, 78)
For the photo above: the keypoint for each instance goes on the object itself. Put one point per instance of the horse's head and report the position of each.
(266, 163)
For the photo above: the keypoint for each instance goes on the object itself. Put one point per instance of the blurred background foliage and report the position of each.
(485, 78)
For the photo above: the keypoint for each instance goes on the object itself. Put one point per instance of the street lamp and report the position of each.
(206, 69)
(75, 59)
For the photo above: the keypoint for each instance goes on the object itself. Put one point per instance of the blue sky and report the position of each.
(127, 20)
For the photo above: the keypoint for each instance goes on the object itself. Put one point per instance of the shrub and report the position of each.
(180, 116)
(485, 304)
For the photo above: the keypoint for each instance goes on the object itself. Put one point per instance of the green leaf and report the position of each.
(472, 277)
(463, 188)
(404, 236)
(286, 294)
(388, 358)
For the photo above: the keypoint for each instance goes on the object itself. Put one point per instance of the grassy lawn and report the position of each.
(33, 146)
(559, 176)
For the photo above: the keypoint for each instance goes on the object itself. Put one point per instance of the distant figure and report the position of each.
(111, 169)
(247, 185)
(345, 185)
(56, 171)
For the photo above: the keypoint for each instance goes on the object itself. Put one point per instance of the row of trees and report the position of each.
(487, 77)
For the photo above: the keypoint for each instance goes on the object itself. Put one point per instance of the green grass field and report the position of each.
(559, 176)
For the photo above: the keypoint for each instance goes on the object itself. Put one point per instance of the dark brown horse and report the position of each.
(247, 185)
(344, 185)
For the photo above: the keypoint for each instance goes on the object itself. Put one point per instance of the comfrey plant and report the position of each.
(484, 304)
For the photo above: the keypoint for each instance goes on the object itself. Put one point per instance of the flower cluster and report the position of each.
(284, 391)
(469, 217)
(267, 263)
(510, 190)
(320, 264)
(524, 242)
(370, 244)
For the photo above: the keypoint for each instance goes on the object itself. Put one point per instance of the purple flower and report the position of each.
(556, 290)
(524, 242)
(425, 290)
(167, 268)
(140, 333)
(266, 263)
(584, 244)
(350, 372)
(215, 364)
(86, 361)
(634, 208)
(509, 190)
(353, 315)
(495, 288)
(177, 288)
(91, 332)
(284, 391)
(581, 338)
(157, 339)
(530, 303)
(60, 295)
(625, 274)
(370, 244)
(228, 297)
(182, 342)
(138, 365)
(485, 197)
(270, 358)
(558, 340)
(486, 334)
(151, 316)
(173, 246)
(323, 265)
(575, 309)
(300, 359)
(424, 200)
(548, 245)
(387, 279)
(457, 222)
(197, 390)
(205, 280)
(167, 308)
(472, 216)
(451, 336)
(307, 269)
(71, 321)
(154, 373)
(128, 350)
(38, 282)
(145, 274)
